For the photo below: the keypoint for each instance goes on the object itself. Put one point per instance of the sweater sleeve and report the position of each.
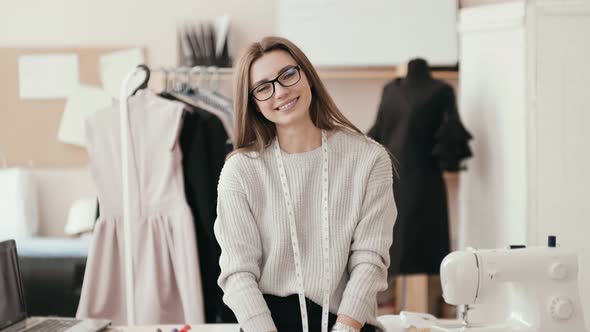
(241, 252)
(372, 238)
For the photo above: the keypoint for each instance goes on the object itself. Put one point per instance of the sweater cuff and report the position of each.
(356, 309)
(259, 323)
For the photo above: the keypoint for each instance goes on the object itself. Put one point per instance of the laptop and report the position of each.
(13, 312)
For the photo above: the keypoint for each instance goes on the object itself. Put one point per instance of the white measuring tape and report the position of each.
(325, 236)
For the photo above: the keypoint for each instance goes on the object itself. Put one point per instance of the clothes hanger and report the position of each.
(144, 83)
(216, 77)
(205, 94)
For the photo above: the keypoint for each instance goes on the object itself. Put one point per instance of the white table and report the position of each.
(168, 328)
(391, 324)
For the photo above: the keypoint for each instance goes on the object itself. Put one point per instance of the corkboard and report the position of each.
(28, 128)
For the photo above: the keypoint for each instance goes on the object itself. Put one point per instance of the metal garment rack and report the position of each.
(129, 215)
(209, 73)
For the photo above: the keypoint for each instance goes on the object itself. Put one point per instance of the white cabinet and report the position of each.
(525, 95)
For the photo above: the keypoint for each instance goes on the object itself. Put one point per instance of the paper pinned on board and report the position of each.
(116, 65)
(48, 76)
(84, 101)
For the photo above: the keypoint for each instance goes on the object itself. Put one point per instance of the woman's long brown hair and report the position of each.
(253, 132)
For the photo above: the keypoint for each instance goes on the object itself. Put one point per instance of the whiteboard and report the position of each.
(371, 32)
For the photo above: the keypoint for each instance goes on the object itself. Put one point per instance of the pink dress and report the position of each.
(165, 259)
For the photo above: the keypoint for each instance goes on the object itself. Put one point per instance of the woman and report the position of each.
(305, 206)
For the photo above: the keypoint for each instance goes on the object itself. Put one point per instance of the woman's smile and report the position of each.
(287, 105)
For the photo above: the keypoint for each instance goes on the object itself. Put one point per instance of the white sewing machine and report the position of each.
(544, 282)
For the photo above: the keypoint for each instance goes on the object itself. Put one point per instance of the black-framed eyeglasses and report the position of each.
(289, 77)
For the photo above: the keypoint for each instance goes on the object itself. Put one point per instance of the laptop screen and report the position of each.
(12, 299)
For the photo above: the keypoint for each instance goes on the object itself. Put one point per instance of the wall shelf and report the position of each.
(377, 73)
(345, 73)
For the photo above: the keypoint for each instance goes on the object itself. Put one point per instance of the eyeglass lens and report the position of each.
(288, 78)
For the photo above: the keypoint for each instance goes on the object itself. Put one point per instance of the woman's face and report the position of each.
(288, 105)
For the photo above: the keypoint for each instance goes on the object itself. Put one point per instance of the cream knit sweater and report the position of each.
(253, 230)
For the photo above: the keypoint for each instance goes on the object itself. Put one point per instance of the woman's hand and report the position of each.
(349, 321)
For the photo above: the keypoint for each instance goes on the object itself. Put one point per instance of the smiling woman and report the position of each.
(305, 203)
(292, 95)
(277, 87)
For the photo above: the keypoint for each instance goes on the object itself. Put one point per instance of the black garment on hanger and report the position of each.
(202, 142)
(412, 111)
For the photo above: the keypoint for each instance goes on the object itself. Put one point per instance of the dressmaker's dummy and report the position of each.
(413, 122)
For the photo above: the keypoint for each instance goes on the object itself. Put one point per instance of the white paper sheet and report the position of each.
(84, 101)
(115, 66)
(48, 76)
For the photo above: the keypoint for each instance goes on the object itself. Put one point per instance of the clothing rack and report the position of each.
(211, 74)
(126, 91)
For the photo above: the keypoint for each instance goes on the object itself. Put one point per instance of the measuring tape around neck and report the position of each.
(326, 289)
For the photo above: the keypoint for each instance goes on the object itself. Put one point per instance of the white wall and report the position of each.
(375, 33)
(151, 24)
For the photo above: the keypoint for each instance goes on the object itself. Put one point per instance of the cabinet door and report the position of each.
(492, 193)
(560, 141)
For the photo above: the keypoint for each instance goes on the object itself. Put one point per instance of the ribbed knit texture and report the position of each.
(252, 228)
